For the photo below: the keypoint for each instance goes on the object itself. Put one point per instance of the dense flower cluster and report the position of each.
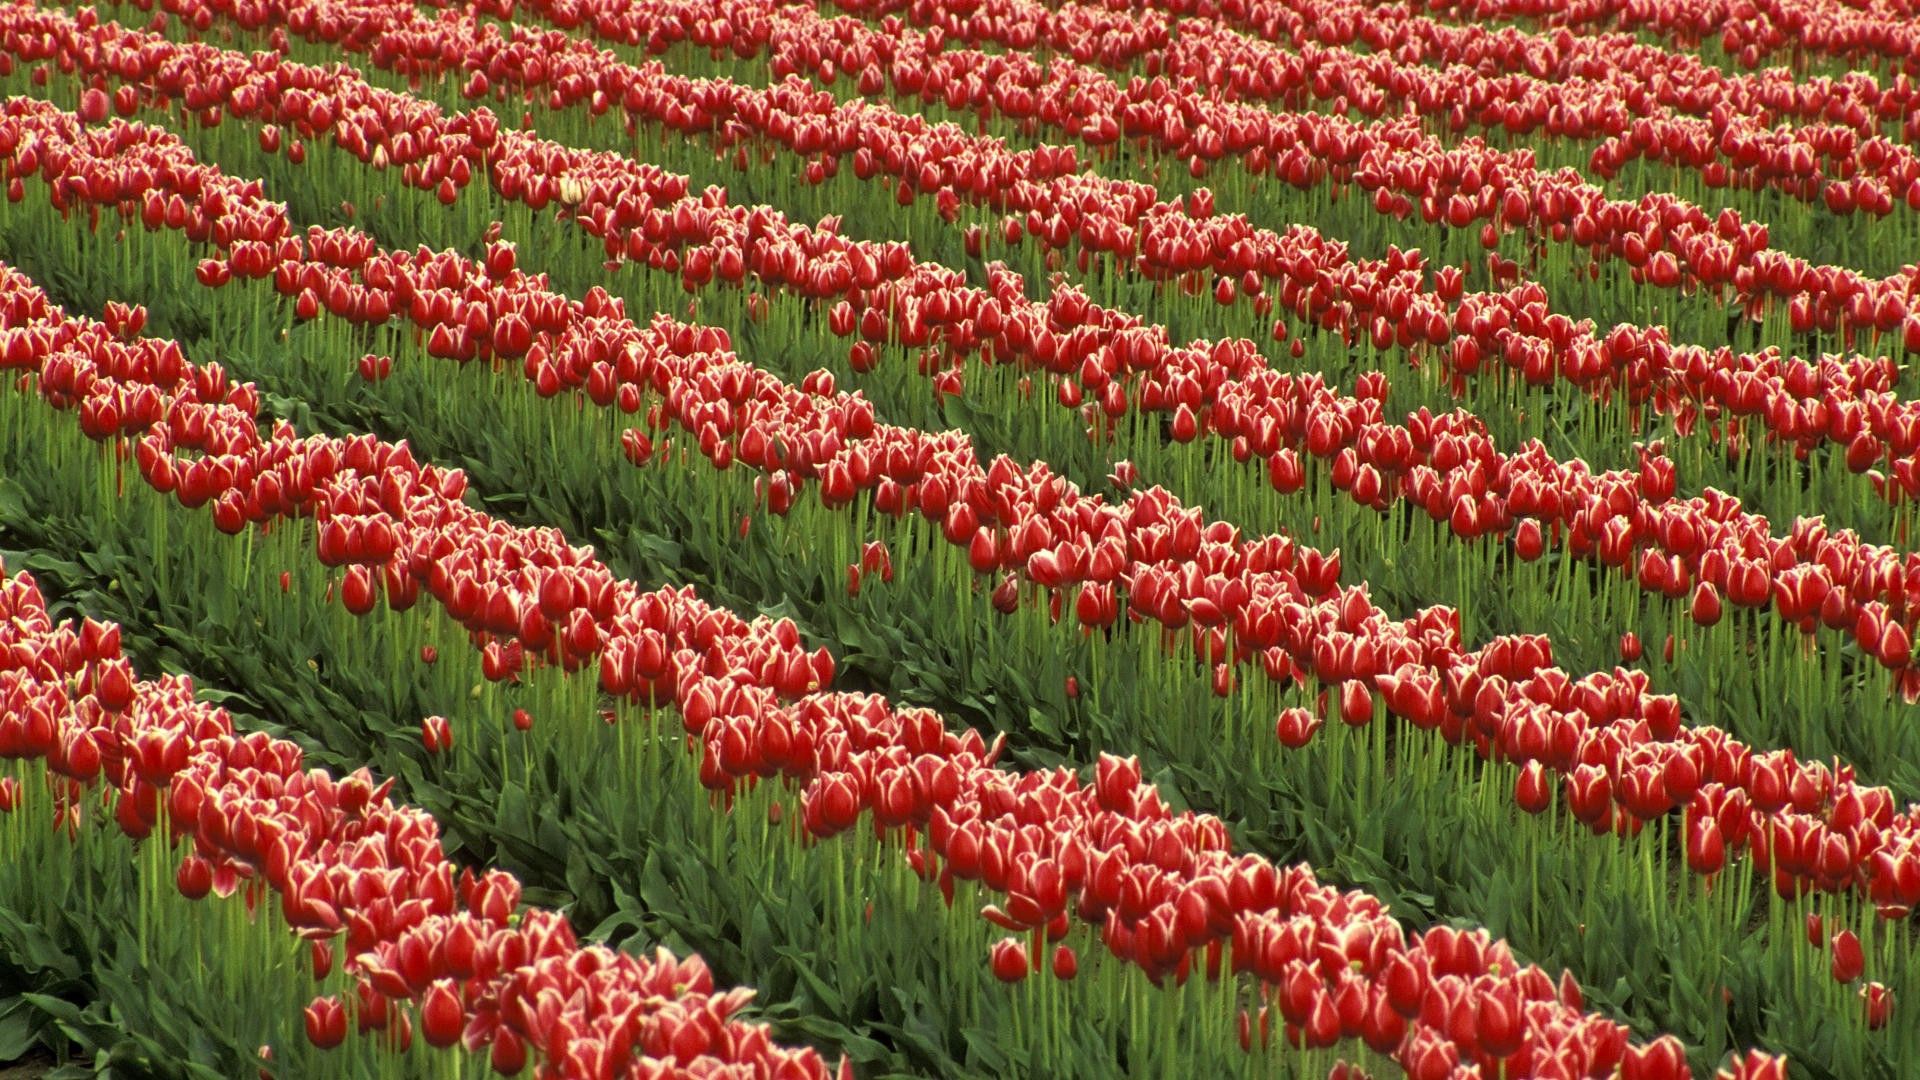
(1165, 888)
(1337, 101)
(1262, 601)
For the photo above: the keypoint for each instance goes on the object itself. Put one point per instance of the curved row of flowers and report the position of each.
(1239, 600)
(1668, 544)
(1388, 301)
(402, 530)
(926, 307)
(1667, 242)
(1629, 99)
(1394, 162)
(1877, 32)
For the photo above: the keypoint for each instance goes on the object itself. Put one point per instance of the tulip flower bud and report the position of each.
(436, 734)
(1705, 608)
(1879, 1005)
(1630, 649)
(326, 1023)
(509, 1054)
(1009, 960)
(1706, 850)
(442, 1017)
(1117, 782)
(1848, 959)
(1066, 964)
(1531, 791)
(194, 878)
(1295, 727)
(1528, 543)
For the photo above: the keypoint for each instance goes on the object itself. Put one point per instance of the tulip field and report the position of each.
(961, 538)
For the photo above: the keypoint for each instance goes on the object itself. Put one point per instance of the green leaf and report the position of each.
(20, 1026)
(822, 991)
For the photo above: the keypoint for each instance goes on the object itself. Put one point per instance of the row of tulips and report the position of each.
(1316, 282)
(688, 379)
(1103, 348)
(1709, 548)
(1841, 167)
(1666, 242)
(1111, 392)
(428, 947)
(1162, 885)
(1394, 163)
(1874, 33)
(1665, 79)
(1032, 526)
(1210, 62)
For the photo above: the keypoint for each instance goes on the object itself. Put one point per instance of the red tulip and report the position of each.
(194, 878)
(1531, 790)
(1499, 1024)
(436, 734)
(1848, 960)
(1186, 427)
(1295, 727)
(509, 1052)
(1117, 782)
(1755, 1066)
(1065, 964)
(1356, 703)
(1630, 647)
(114, 688)
(1879, 1005)
(1009, 960)
(356, 591)
(1663, 1059)
(1285, 472)
(1589, 794)
(1706, 850)
(1705, 608)
(442, 1017)
(1896, 648)
(93, 106)
(326, 1022)
(1528, 542)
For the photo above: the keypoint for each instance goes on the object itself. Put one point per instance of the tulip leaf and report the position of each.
(819, 989)
(29, 944)
(20, 1026)
(987, 1052)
